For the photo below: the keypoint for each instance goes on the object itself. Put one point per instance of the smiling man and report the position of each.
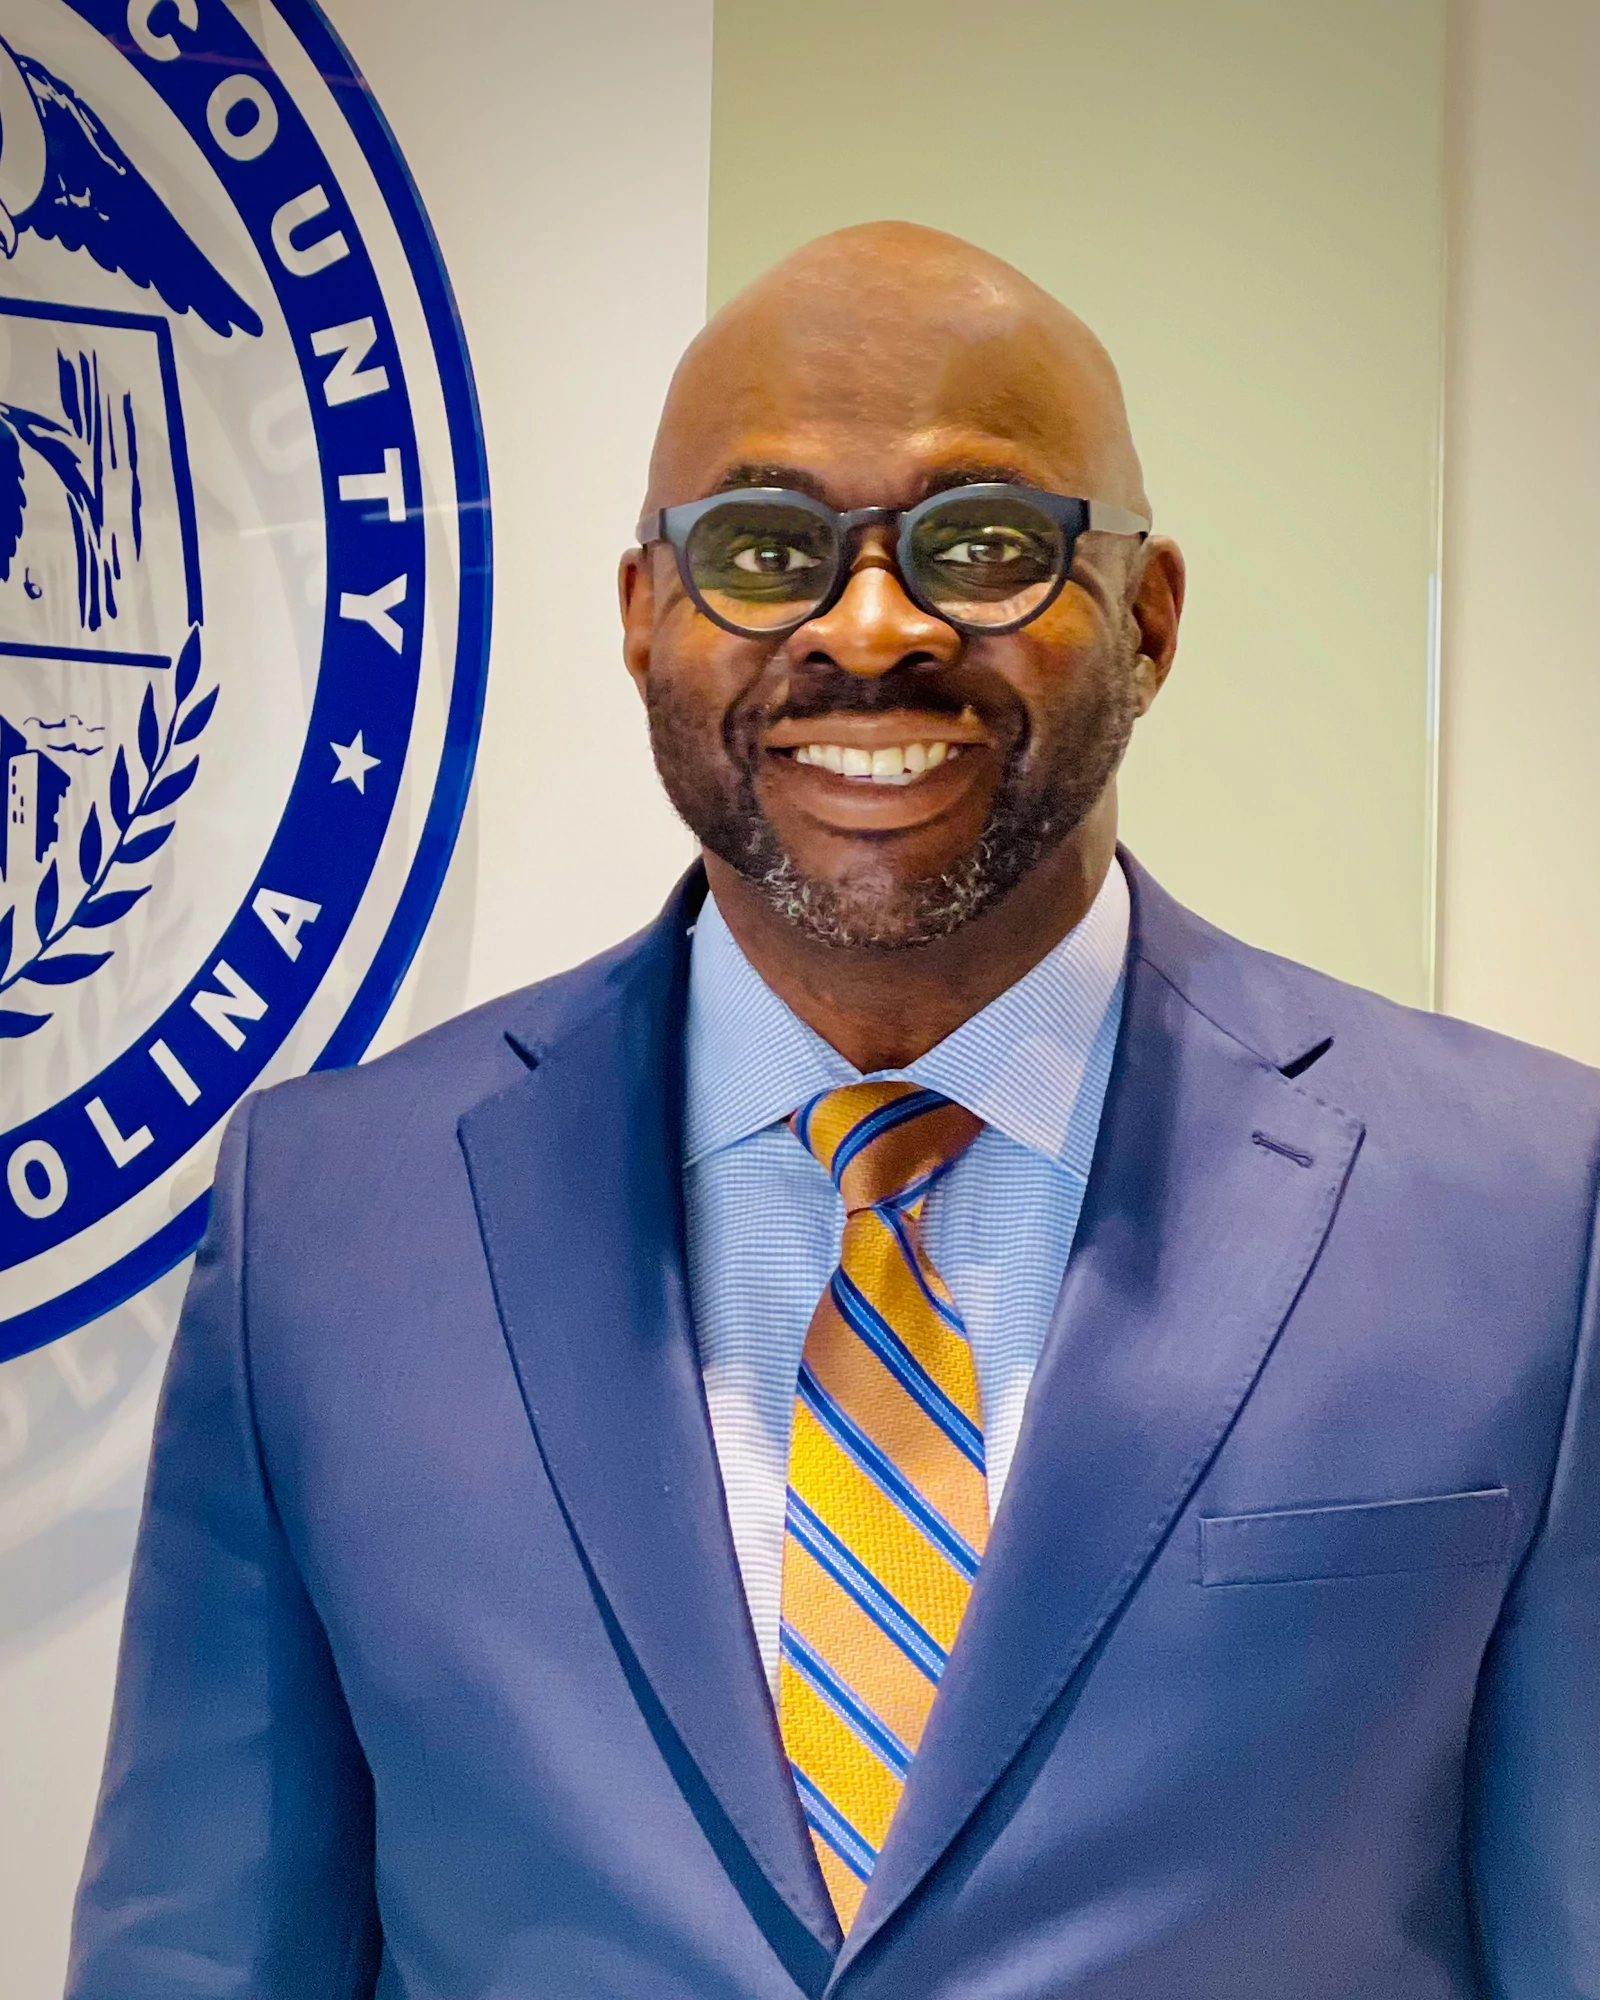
(929, 1426)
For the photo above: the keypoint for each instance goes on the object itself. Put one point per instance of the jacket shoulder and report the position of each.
(438, 1076)
(1396, 1067)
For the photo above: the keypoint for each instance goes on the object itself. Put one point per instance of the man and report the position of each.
(685, 1482)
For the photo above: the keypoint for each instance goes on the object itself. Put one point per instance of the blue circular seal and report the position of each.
(244, 606)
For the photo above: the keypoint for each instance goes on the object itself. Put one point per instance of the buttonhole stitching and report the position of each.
(1277, 1146)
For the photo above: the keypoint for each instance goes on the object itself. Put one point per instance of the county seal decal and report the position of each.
(244, 579)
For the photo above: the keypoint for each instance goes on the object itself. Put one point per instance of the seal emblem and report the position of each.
(243, 607)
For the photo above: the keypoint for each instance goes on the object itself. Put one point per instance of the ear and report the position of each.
(636, 595)
(1156, 607)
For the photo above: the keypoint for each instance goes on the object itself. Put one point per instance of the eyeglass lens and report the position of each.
(762, 565)
(765, 564)
(990, 560)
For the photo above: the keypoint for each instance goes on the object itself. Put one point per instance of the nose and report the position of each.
(875, 627)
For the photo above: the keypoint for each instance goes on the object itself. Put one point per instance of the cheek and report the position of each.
(1067, 656)
(1064, 636)
(699, 676)
(1054, 677)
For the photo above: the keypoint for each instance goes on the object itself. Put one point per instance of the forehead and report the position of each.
(872, 410)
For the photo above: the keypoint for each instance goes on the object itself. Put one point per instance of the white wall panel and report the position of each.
(563, 153)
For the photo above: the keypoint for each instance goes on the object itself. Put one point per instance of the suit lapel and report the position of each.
(576, 1172)
(1215, 1182)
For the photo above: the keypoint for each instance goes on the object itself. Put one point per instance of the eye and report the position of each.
(989, 550)
(772, 558)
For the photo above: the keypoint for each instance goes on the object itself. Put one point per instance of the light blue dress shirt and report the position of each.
(765, 1222)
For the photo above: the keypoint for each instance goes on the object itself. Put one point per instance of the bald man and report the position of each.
(928, 1426)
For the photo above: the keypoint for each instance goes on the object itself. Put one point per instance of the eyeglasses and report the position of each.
(761, 561)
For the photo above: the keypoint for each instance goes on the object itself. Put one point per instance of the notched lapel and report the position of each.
(576, 1174)
(1215, 1182)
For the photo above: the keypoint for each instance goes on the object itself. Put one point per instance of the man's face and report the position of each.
(987, 750)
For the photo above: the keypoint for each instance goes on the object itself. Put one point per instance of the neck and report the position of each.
(881, 1009)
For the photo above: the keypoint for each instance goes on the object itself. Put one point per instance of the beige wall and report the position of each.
(1520, 929)
(1245, 199)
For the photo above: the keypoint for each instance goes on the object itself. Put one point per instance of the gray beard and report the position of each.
(856, 918)
(1029, 820)
(927, 911)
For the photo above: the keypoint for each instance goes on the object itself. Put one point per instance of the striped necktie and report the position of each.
(888, 1511)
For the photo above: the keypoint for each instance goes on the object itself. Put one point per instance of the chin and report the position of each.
(867, 913)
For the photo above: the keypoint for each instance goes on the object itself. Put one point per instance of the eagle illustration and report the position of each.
(63, 176)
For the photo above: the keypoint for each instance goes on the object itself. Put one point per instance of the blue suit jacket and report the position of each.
(1281, 1678)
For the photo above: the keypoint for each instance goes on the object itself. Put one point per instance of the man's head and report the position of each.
(870, 369)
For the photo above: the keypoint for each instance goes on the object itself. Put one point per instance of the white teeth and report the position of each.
(898, 764)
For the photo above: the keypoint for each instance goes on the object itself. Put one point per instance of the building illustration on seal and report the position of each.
(33, 786)
(99, 591)
(99, 567)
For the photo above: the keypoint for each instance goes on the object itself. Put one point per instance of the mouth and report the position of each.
(881, 774)
(897, 748)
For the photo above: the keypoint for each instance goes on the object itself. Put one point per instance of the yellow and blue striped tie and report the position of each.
(888, 1510)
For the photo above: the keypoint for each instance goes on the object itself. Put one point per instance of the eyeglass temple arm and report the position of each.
(1109, 520)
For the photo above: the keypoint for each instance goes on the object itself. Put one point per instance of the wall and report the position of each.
(563, 156)
(568, 175)
(567, 179)
(1520, 930)
(1245, 200)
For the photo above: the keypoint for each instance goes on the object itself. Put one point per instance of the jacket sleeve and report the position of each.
(1533, 1827)
(232, 1845)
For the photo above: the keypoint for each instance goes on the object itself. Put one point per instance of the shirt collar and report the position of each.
(1019, 1064)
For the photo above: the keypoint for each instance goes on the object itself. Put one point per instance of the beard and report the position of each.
(1054, 773)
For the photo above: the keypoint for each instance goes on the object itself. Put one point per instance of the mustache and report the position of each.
(831, 691)
(821, 689)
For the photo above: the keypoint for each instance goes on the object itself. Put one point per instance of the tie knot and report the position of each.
(883, 1143)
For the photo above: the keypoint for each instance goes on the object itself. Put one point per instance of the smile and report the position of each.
(894, 749)
(892, 764)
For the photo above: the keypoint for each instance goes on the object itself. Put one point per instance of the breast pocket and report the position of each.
(1305, 1544)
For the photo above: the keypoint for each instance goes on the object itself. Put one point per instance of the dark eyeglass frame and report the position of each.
(1074, 517)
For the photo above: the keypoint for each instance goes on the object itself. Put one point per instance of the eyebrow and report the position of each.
(970, 472)
(793, 477)
(797, 480)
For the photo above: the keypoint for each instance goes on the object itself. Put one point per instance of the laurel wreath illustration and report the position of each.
(134, 841)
